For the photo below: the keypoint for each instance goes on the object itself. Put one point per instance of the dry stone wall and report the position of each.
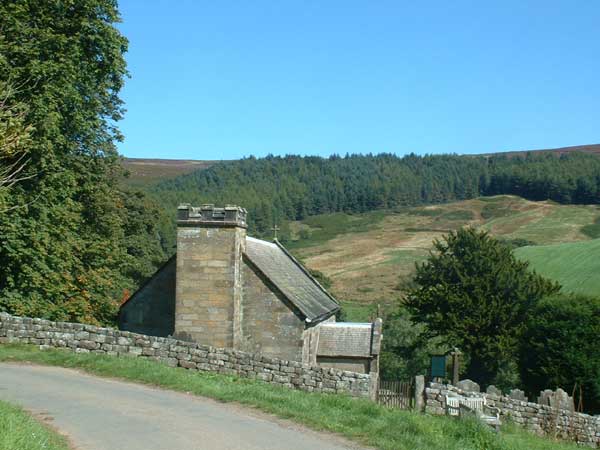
(91, 339)
(541, 419)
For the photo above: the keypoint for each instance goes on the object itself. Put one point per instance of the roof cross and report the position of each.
(275, 229)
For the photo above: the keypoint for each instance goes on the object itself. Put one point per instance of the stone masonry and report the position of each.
(210, 243)
(190, 355)
(541, 419)
(225, 289)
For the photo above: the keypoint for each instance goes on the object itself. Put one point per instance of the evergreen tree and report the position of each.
(475, 294)
(296, 187)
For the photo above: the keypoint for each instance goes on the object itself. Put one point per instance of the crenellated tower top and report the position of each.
(208, 215)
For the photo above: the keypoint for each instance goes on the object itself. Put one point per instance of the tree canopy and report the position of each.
(68, 231)
(276, 189)
(560, 348)
(475, 294)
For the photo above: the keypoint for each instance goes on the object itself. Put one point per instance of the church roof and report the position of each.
(291, 278)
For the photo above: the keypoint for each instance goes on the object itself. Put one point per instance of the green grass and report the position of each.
(360, 420)
(424, 212)
(553, 228)
(327, 226)
(461, 214)
(358, 311)
(575, 265)
(494, 210)
(406, 256)
(592, 230)
(20, 431)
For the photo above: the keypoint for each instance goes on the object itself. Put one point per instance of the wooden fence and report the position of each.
(396, 394)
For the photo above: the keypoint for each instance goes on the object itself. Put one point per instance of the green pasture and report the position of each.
(575, 265)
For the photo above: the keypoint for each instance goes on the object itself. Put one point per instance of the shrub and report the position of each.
(560, 347)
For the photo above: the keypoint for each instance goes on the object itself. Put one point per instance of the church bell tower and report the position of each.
(210, 244)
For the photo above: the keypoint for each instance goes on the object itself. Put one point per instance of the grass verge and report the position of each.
(20, 431)
(359, 420)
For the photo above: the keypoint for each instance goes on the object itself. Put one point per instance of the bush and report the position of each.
(406, 349)
(593, 230)
(560, 347)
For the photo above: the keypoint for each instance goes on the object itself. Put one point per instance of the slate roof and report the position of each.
(345, 339)
(291, 278)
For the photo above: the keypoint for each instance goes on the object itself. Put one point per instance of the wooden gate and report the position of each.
(396, 394)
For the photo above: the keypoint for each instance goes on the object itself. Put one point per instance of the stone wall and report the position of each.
(541, 419)
(90, 339)
(151, 310)
(270, 325)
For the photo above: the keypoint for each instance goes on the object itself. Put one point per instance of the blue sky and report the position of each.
(226, 79)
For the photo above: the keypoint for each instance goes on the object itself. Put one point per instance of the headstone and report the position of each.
(545, 397)
(559, 399)
(517, 394)
(562, 400)
(493, 390)
(468, 386)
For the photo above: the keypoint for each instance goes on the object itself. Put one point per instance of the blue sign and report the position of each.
(438, 366)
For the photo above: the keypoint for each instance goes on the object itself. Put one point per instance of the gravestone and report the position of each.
(493, 390)
(545, 397)
(562, 400)
(559, 399)
(517, 394)
(468, 386)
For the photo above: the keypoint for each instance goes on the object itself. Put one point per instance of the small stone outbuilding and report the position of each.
(229, 290)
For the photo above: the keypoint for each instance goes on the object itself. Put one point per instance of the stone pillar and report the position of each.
(377, 336)
(210, 243)
(420, 393)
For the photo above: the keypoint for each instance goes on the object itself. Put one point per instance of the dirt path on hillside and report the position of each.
(105, 414)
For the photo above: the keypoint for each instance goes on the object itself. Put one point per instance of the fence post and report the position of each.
(419, 393)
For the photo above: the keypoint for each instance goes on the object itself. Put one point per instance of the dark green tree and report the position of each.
(560, 348)
(406, 347)
(475, 294)
(293, 187)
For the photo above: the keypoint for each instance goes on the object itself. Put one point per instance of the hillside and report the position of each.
(145, 171)
(592, 148)
(367, 256)
(276, 189)
(575, 265)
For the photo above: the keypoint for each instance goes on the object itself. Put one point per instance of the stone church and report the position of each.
(225, 289)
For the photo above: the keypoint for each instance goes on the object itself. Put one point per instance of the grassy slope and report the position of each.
(360, 420)
(19, 431)
(366, 255)
(575, 265)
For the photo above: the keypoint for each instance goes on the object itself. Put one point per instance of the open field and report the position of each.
(360, 420)
(369, 256)
(575, 265)
(20, 431)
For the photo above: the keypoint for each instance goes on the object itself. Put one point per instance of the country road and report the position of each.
(105, 414)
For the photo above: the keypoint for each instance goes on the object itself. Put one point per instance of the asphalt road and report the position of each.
(105, 414)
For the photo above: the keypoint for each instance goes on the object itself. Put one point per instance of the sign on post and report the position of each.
(438, 366)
